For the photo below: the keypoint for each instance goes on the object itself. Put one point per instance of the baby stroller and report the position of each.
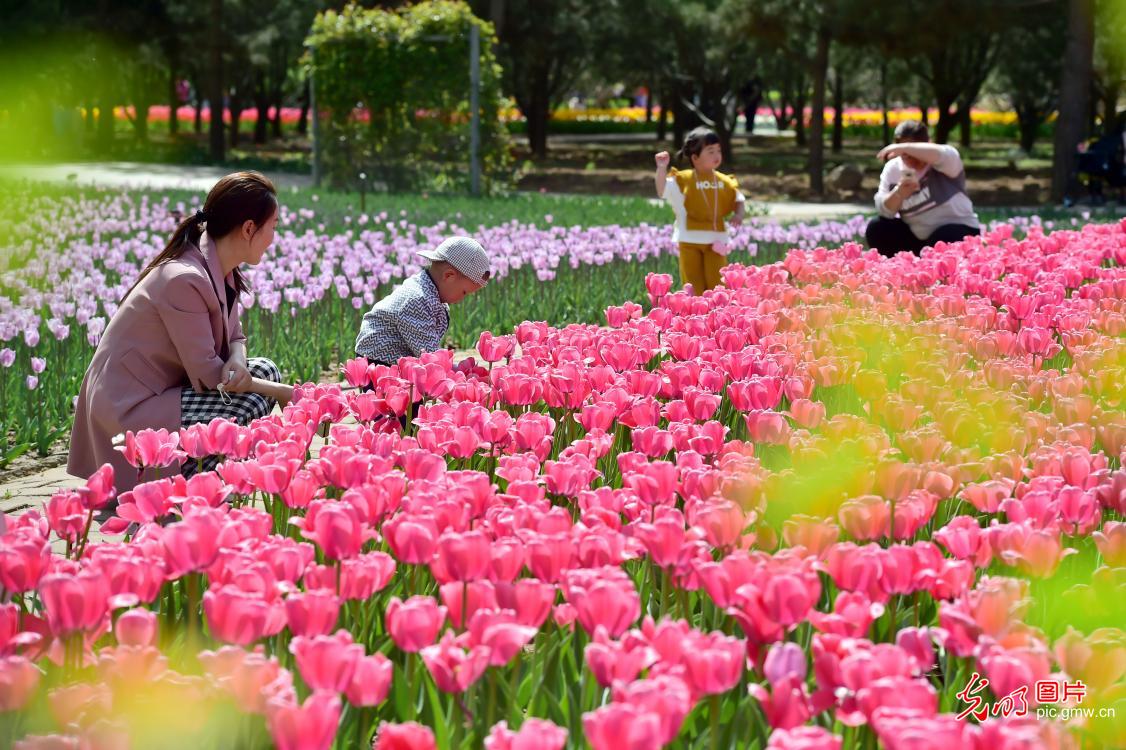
(1102, 162)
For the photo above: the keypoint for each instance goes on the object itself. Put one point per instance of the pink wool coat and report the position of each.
(169, 332)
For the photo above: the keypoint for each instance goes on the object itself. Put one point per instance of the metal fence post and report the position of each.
(474, 109)
(316, 119)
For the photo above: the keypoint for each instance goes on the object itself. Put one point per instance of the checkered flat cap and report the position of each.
(466, 255)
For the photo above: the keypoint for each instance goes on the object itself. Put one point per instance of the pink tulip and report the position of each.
(453, 668)
(609, 605)
(530, 598)
(23, 561)
(622, 726)
(534, 734)
(853, 613)
(814, 534)
(784, 660)
(309, 726)
(666, 696)
(136, 627)
(713, 663)
(371, 681)
(786, 705)
(74, 603)
(99, 488)
(1098, 659)
(327, 662)
(963, 538)
(612, 661)
(462, 600)
(356, 372)
(1014, 668)
(192, 544)
(151, 448)
(19, 679)
(768, 427)
(251, 678)
(414, 623)
(312, 613)
(412, 539)
(550, 556)
(657, 285)
(334, 527)
(407, 736)
(465, 556)
(1111, 542)
(501, 633)
(897, 692)
(495, 348)
(239, 617)
(803, 738)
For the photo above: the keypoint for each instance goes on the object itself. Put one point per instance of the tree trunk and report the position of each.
(262, 104)
(925, 113)
(215, 89)
(105, 122)
(750, 111)
(1028, 120)
(884, 100)
(798, 110)
(236, 108)
(965, 123)
(947, 120)
(536, 114)
(141, 122)
(277, 93)
(1110, 106)
(663, 118)
(679, 117)
(838, 111)
(648, 105)
(173, 93)
(276, 120)
(197, 123)
(817, 115)
(90, 120)
(303, 118)
(1075, 88)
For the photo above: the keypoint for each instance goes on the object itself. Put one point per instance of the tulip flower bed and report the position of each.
(74, 255)
(71, 255)
(842, 501)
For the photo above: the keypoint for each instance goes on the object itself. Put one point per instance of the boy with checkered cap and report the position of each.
(416, 315)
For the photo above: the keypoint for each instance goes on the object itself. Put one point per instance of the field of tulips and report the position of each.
(844, 502)
(67, 256)
(71, 255)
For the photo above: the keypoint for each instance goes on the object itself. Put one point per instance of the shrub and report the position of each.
(392, 92)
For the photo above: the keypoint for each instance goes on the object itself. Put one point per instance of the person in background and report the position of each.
(922, 195)
(701, 198)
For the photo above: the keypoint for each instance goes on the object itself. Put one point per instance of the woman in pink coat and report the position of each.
(176, 336)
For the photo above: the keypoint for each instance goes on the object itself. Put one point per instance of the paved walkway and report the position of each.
(201, 178)
(124, 174)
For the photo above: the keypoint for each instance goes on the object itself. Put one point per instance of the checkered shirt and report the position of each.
(409, 321)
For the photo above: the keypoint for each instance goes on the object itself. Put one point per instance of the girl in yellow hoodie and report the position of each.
(701, 198)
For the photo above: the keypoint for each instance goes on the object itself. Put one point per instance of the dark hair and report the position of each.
(913, 131)
(233, 200)
(695, 142)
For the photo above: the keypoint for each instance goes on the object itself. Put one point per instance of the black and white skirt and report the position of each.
(243, 408)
